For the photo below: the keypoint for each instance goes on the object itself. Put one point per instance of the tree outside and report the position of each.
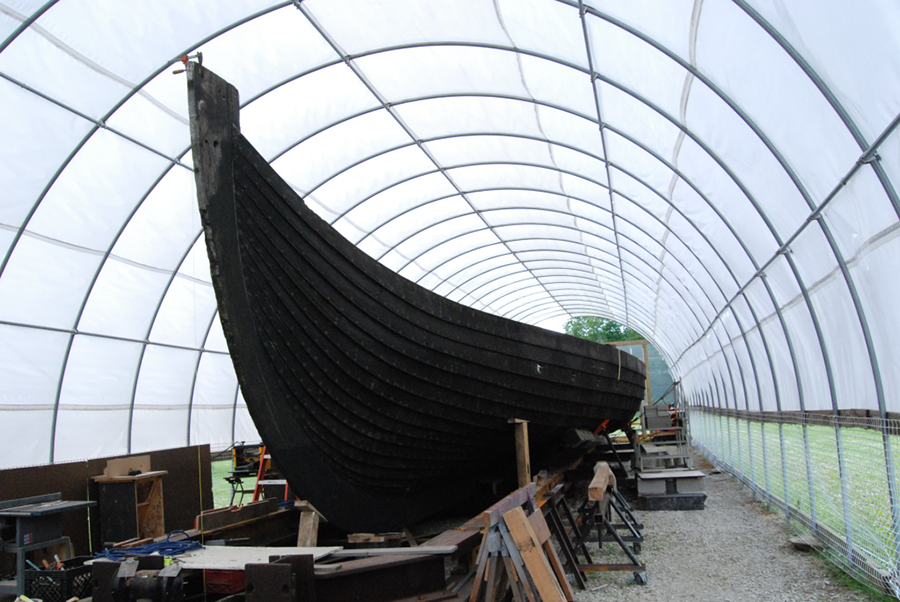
(600, 330)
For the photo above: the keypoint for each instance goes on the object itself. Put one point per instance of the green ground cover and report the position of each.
(773, 457)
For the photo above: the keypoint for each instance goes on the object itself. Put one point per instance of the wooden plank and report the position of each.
(365, 538)
(490, 579)
(603, 478)
(409, 538)
(542, 532)
(481, 564)
(151, 512)
(232, 516)
(539, 526)
(418, 551)
(535, 561)
(465, 539)
(120, 467)
(559, 571)
(304, 506)
(519, 497)
(513, 579)
(129, 478)
(233, 558)
(308, 532)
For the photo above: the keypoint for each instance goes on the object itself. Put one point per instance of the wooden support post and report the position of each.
(308, 533)
(603, 479)
(523, 457)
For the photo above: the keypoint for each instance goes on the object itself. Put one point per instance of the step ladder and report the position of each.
(262, 477)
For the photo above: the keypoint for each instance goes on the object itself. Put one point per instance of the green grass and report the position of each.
(221, 488)
(838, 575)
(781, 467)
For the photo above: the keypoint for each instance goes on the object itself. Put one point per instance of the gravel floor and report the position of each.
(732, 551)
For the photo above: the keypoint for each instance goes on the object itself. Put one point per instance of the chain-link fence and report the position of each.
(834, 477)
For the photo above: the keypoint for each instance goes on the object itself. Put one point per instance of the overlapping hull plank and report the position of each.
(378, 398)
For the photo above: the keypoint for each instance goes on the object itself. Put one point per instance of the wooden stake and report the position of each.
(523, 457)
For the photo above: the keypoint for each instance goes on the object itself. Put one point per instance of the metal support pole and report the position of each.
(647, 373)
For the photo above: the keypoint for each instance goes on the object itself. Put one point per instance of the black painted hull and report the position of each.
(380, 401)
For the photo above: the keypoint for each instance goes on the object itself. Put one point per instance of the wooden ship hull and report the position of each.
(380, 401)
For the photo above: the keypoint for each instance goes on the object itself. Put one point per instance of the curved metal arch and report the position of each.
(26, 24)
(611, 304)
(481, 274)
(788, 169)
(544, 57)
(539, 317)
(93, 282)
(477, 190)
(492, 46)
(687, 132)
(84, 301)
(612, 201)
(642, 260)
(516, 278)
(830, 97)
(549, 210)
(486, 211)
(663, 264)
(654, 217)
(524, 313)
(718, 254)
(78, 147)
(571, 112)
(560, 295)
(600, 257)
(760, 270)
(528, 299)
(588, 261)
(581, 280)
(465, 266)
(713, 305)
(115, 108)
(640, 98)
(209, 325)
(508, 97)
(420, 141)
(679, 211)
(381, 99)
(100, 124)
(660, 299)
(152, 322)
(800, 187)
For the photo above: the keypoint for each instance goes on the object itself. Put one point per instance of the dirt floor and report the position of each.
(732, 551)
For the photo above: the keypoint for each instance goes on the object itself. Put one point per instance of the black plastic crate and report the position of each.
(74, 579)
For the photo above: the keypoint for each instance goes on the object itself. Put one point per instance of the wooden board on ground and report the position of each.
(233, 558)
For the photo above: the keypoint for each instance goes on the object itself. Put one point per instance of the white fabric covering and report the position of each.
(678, 166)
